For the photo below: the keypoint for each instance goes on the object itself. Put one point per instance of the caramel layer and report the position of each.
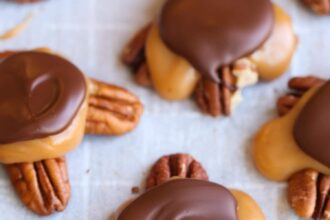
(275, 56)
(276, 153)
(49, 147)
(248, 209)
(172, 76)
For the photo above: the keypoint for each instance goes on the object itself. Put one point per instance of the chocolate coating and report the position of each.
(183, 199)
(40, 94)
(312, 128)
(213, 33)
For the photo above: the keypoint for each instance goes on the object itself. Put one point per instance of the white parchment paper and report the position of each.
(92, 34)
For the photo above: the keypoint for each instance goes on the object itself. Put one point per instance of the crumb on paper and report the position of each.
(135, 190)
(20, 27)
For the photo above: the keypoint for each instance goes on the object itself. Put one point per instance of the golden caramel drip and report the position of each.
(49, 147)
(275, 151)
(175, 79)
(275, 56)
(172, 76)
(248, 209)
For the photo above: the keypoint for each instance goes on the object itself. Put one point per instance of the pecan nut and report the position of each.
(298, 86)
(42, 186)
(309, 194)
(321, 7)
(246, 72)
(215, 98)
(175, 165)
(133, 53)
(142, 76)
(134, 57)
(111, 110)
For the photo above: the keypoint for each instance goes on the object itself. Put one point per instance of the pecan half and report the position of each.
(309, 194)
(175, 165)
(43, 186)
(142, 76)
(215, 98)
(298, 86)
(112, 110)
(321, 7)
(134, 57)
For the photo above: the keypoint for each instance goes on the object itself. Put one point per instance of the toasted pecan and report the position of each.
(142, 76)
(134, 57)
(112, 110)
(321, 7)
(133, 54)
(175, 165)
(215, 98)
(42, 186)
(298, 86)
(309, 194)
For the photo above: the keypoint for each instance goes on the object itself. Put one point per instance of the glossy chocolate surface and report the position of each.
(183, 199)
(213, 33)
(40, 94)
(312, 128)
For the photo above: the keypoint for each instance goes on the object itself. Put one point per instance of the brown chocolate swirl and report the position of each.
(312, 128)
(183, 199)
(213, 33)
(40, 94)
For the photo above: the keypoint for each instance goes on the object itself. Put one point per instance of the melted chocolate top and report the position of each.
(213, 33)
(183, 199)
(312, 128)
(40, 94)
